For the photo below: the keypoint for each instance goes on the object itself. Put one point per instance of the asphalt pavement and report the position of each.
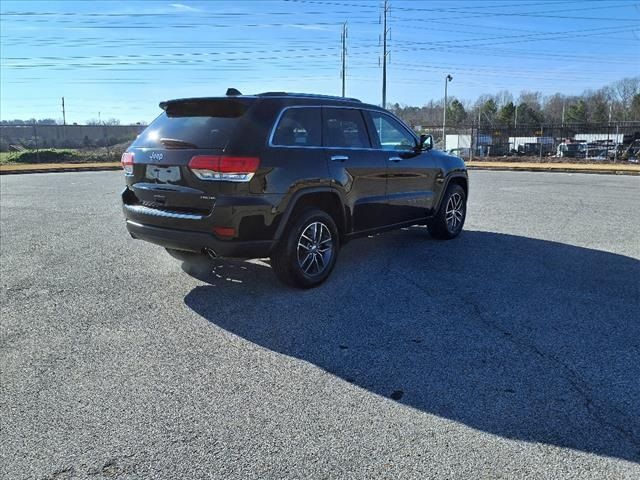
(510, 352)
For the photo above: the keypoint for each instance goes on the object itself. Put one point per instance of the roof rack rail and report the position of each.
(307, 95)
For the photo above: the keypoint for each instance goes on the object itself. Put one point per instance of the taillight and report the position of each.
(127, 163)
(225, 232)
(224, 168)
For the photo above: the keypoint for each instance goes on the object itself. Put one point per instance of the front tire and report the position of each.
(449, 220)
(307, 252)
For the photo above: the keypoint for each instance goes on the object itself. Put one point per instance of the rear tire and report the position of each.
(307, 252)
(449, 220)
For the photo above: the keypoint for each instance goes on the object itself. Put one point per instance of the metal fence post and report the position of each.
(471, 145)
(615, 155)
(106, 141)
(541, 139)
(35, 138)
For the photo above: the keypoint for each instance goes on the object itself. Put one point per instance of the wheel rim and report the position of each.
(315, 249)
(454, 212)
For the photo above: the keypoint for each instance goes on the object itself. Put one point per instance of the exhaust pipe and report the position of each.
(211, 253)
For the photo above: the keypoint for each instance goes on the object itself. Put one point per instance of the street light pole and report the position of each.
(344, 57)
(385, 32)
(447, 79)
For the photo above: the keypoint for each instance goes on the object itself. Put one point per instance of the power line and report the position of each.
(486, 12)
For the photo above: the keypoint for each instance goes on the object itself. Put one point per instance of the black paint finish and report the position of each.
(376, 189)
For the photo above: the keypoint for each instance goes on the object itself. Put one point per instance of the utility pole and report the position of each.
(515, 124)
(344, 56)
(447, 79)
(385, 32)
(64, 114)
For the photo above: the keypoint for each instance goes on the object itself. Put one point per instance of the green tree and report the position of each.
(488, 111)
(506, 115)
(577, 112)
(528, 115)
(456, 114)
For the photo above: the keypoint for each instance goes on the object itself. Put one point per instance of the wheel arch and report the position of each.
(456, 179)
(324, 198)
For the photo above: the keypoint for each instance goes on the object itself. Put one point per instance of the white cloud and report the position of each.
(184, 8)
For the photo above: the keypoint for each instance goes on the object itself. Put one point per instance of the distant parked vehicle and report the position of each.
(570, 150)
(534, 149)
(460, 152)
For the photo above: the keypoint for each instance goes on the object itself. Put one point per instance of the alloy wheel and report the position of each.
(315, 249)
(454, 212)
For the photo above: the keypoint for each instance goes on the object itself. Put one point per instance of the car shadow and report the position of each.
(523, 338)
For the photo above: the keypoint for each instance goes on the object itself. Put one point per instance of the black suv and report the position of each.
(287, 176)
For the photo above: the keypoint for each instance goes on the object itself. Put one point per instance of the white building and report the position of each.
(515, 142)
(458, 141)
(599, 137)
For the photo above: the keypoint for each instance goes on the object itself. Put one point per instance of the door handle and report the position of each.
(339, 158)
(394, 159)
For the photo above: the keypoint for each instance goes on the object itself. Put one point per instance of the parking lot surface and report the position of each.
(510, 352)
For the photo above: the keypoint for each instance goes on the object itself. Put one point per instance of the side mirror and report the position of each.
(426, 142)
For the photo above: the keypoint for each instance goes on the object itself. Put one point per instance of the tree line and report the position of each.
(617, 102)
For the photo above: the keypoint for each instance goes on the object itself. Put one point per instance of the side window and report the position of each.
(392, 135)
(299, 127)
(344, 127)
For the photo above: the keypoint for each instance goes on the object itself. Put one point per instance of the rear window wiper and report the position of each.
(176, 143)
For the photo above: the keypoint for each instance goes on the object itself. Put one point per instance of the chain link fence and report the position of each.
(40, 143)
(611, 142)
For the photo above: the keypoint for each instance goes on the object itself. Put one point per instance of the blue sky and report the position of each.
(120, 58)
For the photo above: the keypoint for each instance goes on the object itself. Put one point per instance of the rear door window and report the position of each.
(299, 127)
(194, 124)
(345, 128)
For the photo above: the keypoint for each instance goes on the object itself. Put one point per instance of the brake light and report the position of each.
(127, 163)
(224, 168)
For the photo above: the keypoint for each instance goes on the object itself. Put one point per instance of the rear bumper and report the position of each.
(198, 241)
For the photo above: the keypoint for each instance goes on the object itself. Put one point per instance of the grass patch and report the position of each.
(63, 155)
(49, 155)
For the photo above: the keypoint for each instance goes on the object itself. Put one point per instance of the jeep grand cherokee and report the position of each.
(287, 176)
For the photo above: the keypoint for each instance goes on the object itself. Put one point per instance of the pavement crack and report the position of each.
(566, 372)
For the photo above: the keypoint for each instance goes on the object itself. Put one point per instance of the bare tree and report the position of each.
(552, 107)
(597, 105)
(625, 89)
(503, 97)
(620, 100)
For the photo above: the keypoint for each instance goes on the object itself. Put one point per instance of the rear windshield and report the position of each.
(193, 124)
